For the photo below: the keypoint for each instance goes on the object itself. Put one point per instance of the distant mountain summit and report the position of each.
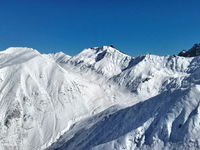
(194, 51)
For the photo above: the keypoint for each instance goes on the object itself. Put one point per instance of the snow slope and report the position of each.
(98, 99)
(106, 61)
(163, 113)
(40, 99)
(157, 123)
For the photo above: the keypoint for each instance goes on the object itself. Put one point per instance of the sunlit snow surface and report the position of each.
(99, 99)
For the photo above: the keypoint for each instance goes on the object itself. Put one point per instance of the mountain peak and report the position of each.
(101, 51)
(105, 60)
(95, 54)
(192, 52)
(16, 50)
(60, 57)
(100, 98)
(110, 49)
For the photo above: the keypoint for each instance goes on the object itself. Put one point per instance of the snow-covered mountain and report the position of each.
(99, 99)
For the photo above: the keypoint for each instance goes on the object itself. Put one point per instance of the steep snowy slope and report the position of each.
(144, 76)
(98, 99)
(39, 99)
(106, 61)
(167, 121)
(164, 112)
(153, 74)
(59, 57)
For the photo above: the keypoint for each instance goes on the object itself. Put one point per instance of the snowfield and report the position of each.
(100, 99)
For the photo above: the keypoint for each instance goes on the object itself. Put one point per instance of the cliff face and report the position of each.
(194, 51)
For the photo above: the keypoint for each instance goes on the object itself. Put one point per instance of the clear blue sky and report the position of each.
(133, 26)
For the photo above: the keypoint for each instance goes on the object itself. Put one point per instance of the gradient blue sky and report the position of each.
(133, 26)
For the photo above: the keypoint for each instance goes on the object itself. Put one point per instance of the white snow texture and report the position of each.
(100, 99)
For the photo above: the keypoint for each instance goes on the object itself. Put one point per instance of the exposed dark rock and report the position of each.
(194, 51)
(112, 46)
(12, 115)
(100, 56)
(147, 79)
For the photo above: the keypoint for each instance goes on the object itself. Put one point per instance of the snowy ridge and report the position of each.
(59, 57)
(98, 99)
(37, 95)
(105, 60)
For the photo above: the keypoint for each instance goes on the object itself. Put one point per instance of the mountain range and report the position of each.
(100, 99)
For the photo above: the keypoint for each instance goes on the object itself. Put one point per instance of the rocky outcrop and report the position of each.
(193, 52)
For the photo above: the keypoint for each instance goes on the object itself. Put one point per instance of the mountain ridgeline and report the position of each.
(193, 52)
(99, 99)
